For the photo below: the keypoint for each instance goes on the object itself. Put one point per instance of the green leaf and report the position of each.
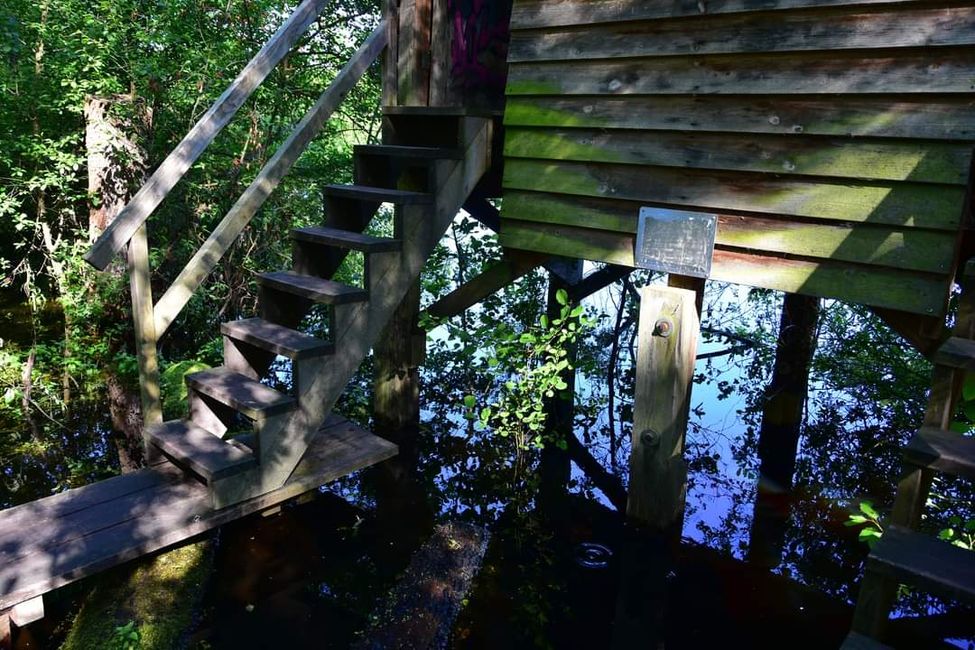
(485, 413)
(544, 321)
(469, 401)
(562, 297)
(867, 508)
(576, 312)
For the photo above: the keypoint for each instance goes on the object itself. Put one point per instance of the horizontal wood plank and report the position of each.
(900, 204)
(936, 117)
(899, 248)
(920, 161)
(934, 71)
(837, 29)
(544, 13)
(146, 520)
(891, 288)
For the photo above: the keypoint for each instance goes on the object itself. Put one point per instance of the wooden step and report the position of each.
(944, 451)
(241, 393)
(857, 641)
(956, 352)
(379, 194)
(345, 239)
(924, 562)
(199, 451)
(275, 338)
(312, 288)
(412, 153)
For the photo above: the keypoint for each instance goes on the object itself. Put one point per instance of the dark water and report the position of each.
(749, 572)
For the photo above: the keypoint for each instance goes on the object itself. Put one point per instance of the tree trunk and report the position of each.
(116, 168)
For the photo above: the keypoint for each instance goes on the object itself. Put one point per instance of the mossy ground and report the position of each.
(158, 596)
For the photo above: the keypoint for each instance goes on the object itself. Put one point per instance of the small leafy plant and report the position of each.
(535, 362)
(869, 518)
(126, 637)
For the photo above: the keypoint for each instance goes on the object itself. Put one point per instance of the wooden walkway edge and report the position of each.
(51, 542)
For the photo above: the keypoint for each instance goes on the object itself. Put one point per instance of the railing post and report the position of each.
(391, 61)
(145, 329)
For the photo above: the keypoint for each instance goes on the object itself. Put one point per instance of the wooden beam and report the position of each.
(122, 229)
(253, 198)
(924, 333)
(512, 266)
(391, 60)
(668, 336)
(598, 280)
(145, 330)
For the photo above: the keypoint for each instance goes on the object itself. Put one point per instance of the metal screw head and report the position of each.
(664, 327)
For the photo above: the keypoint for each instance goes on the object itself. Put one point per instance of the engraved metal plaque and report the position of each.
(675, 241)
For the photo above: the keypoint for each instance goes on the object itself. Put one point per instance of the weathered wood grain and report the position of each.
(668, 334)
(894, 247)
(934, 71)
(843, 28)
(901, 204)
(943, 451)
(391, 56)
(902, 290)
(545, 13)
(178, 162)
(146, 336)
(916, 160)
(942, 118)
(144, 519)
(250, 202)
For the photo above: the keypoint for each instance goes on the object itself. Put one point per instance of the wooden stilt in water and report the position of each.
(668, 336)
(398, 355)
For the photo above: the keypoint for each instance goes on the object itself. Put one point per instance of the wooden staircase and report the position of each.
(428, 186)
(904, 555)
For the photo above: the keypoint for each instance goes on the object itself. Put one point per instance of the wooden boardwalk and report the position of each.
(51, 542)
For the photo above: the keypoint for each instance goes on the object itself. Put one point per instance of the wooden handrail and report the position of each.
(148, 198)
(226, 233)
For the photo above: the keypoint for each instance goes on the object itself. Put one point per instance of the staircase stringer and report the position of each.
(284, 438)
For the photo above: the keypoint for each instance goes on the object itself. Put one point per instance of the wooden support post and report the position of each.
(145, 330)
(691, 284)
(391, 60)
(398, 355)
(668, 334)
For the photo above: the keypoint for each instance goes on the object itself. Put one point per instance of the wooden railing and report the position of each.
(129, 227)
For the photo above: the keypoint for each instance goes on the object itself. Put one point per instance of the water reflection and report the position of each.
(755, 567)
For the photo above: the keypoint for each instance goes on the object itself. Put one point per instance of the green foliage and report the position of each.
(173, 385)
(126, 637)
(869, 519)
(534, 362)
(961, 533)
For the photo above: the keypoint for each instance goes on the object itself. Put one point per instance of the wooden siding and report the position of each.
(833, 138)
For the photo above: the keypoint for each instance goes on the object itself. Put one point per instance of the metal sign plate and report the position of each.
(675, 241)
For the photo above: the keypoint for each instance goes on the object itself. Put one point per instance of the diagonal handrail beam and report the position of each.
(250, 202)
(179, 161)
